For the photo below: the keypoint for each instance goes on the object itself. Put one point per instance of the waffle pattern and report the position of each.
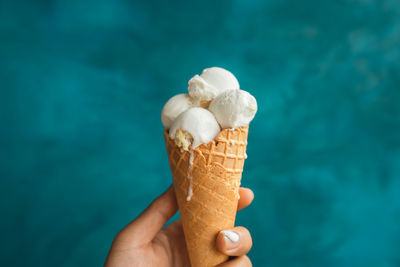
(216, 174)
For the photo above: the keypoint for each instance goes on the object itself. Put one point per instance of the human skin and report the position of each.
(145, 243)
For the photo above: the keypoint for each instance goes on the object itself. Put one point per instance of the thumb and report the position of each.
(145, 227)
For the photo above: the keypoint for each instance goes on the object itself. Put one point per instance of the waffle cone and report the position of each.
(216, 173)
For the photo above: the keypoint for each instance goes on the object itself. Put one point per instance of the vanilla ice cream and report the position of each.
(234, 108)
(211, 83)
(174, 107)
(194, 126)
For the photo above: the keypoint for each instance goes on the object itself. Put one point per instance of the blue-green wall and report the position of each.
(82, 84)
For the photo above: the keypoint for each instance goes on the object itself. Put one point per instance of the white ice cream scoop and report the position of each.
(234, 108)
(174, 107)
(211, 83)
(194, 126)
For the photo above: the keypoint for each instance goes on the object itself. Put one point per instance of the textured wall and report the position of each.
(81, 145)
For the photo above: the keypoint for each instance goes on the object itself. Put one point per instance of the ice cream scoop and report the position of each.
(234, 108)
(174, 107)
(210, 83)
(194, 126)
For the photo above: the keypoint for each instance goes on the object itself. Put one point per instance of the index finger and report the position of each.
(143, 229)
(246, 197)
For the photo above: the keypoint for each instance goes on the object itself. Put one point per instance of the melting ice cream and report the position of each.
(214, 101)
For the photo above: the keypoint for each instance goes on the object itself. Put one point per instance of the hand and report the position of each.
(144, 243)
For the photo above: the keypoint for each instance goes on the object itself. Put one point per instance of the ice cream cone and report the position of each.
(215, 173)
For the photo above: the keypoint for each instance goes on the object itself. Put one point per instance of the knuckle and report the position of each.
(244, 230)
(246, 237)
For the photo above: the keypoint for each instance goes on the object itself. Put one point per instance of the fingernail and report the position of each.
(231, 238)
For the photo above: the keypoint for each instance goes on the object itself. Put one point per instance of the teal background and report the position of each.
(81, 145)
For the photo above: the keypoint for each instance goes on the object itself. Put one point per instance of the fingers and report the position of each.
(242, 261)
(237, 241)
(246, 197)
(234, 242)
(143, 229)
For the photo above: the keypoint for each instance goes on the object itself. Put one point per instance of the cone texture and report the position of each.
(216, 173)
